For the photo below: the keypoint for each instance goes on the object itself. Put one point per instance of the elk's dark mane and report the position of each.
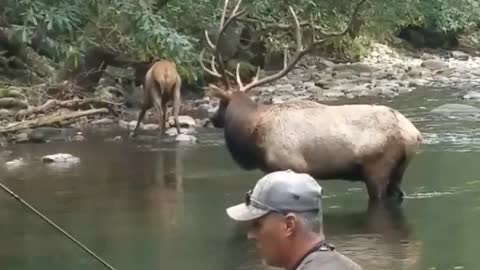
(239, 131)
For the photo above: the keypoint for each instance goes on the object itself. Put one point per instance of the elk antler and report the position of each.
(300, 52)
(221, 72)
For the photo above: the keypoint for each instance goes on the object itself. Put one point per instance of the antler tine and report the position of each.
(212, 71)
(215, 45)
(349, 25)
(239, 81)
(209, 42)
(224, 13)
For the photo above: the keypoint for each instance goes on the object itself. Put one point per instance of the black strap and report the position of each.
(320, 246)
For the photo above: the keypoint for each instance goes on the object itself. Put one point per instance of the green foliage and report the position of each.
(175, 30)
(131, 27)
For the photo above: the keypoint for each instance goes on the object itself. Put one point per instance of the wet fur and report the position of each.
(368, 143)
(161, 85)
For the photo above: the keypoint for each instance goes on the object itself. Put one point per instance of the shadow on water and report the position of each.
(147, 204)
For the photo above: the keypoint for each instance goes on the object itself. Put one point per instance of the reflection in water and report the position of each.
(166, 190)
(378, 238)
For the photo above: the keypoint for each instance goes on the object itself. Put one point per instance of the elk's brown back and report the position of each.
(164, 75)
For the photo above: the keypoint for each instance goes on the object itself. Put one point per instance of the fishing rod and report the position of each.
(23, 202)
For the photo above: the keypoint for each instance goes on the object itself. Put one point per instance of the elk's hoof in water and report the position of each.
(132, 135)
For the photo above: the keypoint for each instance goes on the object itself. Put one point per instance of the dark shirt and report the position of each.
(325, 257)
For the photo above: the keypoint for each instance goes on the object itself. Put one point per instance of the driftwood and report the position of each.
(75, 104)
(49, 120)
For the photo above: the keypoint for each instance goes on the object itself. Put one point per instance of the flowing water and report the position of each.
(151, 205)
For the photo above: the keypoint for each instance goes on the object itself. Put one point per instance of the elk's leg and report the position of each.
(165, 114)
(145, 107)
(377, 175)
(157, 101)
(393, 189)
(176, 104)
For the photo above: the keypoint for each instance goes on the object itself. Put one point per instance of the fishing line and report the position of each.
(18, 198)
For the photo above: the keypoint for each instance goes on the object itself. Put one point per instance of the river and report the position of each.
(151, 205)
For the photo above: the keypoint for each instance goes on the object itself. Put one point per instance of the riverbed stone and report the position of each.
(5, 114)
(202, 122)
(459, 55)
(102, 121)
(133, 124)
(21, 137)
(60, 157)
(78, 137)
(355, 68)
(123, 124)
(186, 138)
(184, 121)
(151, 127)
(15, 163)
(173, 131)
(455, 108)
(47, 134)
(434, 64)
(472, 95)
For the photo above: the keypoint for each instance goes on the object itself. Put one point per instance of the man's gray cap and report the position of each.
(283, 191)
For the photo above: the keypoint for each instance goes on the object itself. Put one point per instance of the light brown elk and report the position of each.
(368, 143)
(161, 85)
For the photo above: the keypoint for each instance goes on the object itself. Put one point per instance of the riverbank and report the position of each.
(386, 72)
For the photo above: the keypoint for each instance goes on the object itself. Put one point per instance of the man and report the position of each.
(284, 215)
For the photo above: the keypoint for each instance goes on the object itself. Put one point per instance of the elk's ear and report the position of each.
(214, 91)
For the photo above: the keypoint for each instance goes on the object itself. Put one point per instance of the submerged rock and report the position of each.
(472, 95)
(186, 138)
(103, 121)
(60, 158)
(184, 121)
(16, 163)
(173, 131)
(455, 108)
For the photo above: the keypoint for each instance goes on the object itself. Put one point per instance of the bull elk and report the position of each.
(368, 143)
(161, 84)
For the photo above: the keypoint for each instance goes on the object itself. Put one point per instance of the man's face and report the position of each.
(270, 234)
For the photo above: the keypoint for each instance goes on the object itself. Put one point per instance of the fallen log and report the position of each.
(49, 120)
(75, 104)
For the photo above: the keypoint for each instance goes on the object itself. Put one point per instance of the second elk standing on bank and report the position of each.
(368, 143)
(161, 85)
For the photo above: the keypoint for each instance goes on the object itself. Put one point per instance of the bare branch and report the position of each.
(271, 24)
(288, 63)
(349, 25)
(299, 53)
(298, 30)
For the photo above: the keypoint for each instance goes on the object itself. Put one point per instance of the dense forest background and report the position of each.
(67, 62)
(54, 40)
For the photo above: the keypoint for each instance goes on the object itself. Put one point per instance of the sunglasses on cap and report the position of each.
(249, 200)
(257, 204)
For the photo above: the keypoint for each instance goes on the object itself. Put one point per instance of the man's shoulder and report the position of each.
(333, 260)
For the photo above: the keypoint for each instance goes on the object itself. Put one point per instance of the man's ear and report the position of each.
(290, 224)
